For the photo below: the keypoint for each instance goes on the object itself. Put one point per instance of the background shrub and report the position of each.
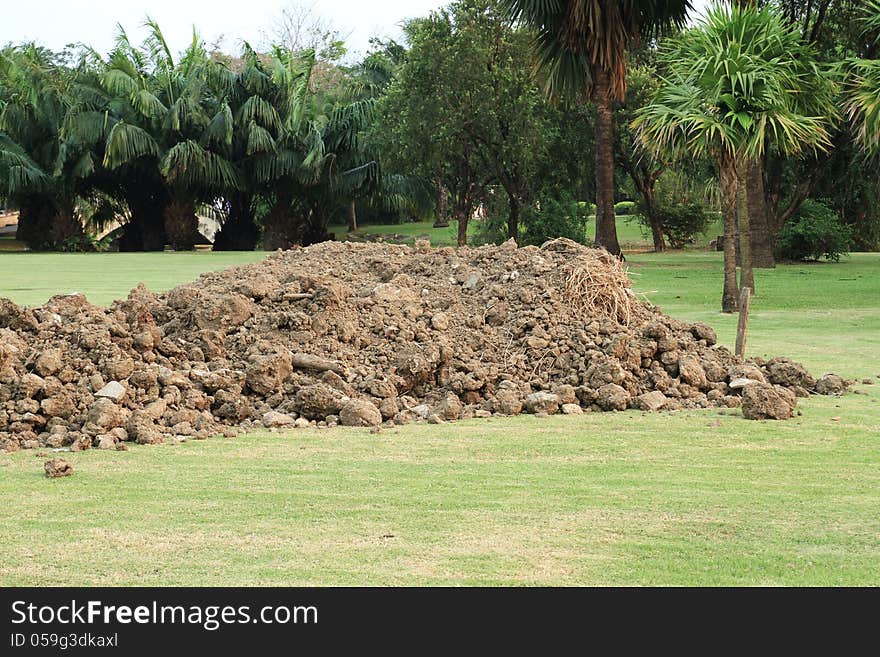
(554, 215)
(624, 208)
(813, 233)
(680, 223)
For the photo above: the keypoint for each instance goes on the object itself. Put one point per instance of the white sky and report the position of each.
(56, 23)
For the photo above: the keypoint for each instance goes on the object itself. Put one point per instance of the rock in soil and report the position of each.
(360, 414)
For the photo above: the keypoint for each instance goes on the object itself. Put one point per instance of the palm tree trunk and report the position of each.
(145, 230)
(606, 229)
(315, 229)
(181, 223)
(762, 242)
(352, 217)
(279, 227)
(46, 223)
(728, 185)
(747, 275)
(239, 232)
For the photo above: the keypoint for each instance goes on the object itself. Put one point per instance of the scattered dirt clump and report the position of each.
(362, 333)
(58, 468)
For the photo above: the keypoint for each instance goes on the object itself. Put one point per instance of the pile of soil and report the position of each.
(361, 334)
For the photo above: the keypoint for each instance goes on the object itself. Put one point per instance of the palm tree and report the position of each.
(34, 174)
(738, 84)
(863, 86)
(318, 163)
(246, 127)
(154, 122)
(581, 49)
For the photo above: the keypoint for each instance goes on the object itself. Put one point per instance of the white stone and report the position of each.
(113, 390)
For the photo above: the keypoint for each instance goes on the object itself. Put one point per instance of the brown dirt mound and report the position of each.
(358, 334)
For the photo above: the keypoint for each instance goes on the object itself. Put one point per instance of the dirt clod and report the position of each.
(763, 401)
(58, 468)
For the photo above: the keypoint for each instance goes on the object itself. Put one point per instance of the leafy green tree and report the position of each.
(841, 176)
(738, 84)
(465, 113)
(581, 48)
(155, 122)
(317, 164)
(34, 177)
(643, 166)
(247, 129)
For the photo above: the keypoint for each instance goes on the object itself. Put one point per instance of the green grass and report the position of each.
(408, 233)
(630, 232)
(693, 497)
(32, 278)
(824, 314)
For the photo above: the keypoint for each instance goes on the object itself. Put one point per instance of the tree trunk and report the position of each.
(279, 227)
(463, 218)
(762, 242)
(47, 223)
(606, 229)
(239, 232)
(315, 229)
(442, 220)
(181, 224)
(513, 217)
(728, 184)
(653, 219)
(275, 224)
(352, 217)
(747, 275)
(145, 230)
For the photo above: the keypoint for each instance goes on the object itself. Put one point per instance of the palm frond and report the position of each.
(127, 143)
(190, 165)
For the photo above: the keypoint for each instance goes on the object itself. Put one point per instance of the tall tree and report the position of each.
(863, 85)
(735, 87)
(152, 118)
(643, 166)
(581, 48)
(34, 176)
(465, 114)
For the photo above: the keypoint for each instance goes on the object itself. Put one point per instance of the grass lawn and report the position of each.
(32, 278)
(409, 232)
(630, 232)
(627, 498)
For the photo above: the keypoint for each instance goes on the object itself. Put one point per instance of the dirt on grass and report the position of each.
(366, 334)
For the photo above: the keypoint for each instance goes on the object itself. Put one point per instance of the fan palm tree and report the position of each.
(738, 84)
(863, 86)
(581, 48)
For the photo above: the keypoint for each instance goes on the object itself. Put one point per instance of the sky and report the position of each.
(56, 23)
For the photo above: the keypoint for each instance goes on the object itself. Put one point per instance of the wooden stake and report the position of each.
(742, 329)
